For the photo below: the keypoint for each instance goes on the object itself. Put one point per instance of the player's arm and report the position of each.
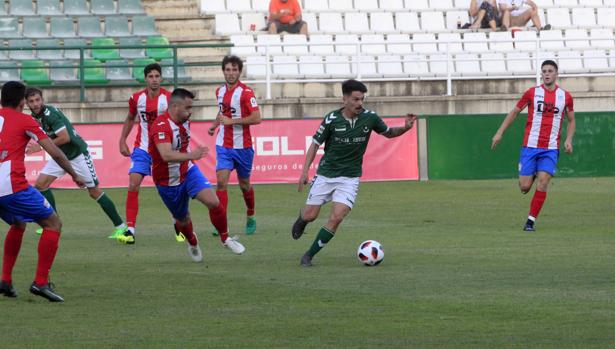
(58, 156)
(126, 128)
(253, 119)
(570, 130)
(169, 155)
(309, 158)
(507, 121)
(393, 132)
(214, 126)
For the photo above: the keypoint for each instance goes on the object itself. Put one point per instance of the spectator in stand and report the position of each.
(485, 14)
(285, 16)
(516, 14)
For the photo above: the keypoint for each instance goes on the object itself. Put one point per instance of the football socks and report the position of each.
(324, 235)
(12, 245)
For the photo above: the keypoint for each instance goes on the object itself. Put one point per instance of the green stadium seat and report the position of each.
(167, 70)
(143, 26)
(94, 72)
(62, 27)
(35, 73)
(21, 8)
(62, 72)
(137, 68)
(9, 28)
(74, 53)
(48, 8)
(3, 54)
(131, 53)
(158, 53)
(115, 71)
(3, 9)
(55, 53)
(130, 7)
(102, 7)
(104, 54)
(76, 8)
(89, 27)
(21, 54)
(9, 71)
(35, 27)
(116, 26)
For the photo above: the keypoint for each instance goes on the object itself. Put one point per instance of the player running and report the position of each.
(19, 202)
(178, 179)
(345, 133)
(147, 105)
(546, 104)
(62, 133)
(238, 110)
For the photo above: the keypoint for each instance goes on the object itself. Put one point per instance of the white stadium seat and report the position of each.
(605, 37)
(373, 44)
(407, 22)
(519, 63)
(424, 43)
(591, 3)
(256, 66)
(596, 61)
(298, 44)
(417, 5)
(209, 7)
(311, 67)
(475, 42)
(456, 17)
(525, 40)
(390, 65)
(346, 44)
(605, 17)
(364, 66)
(285, 66)
(432, 21)
(438, 65)
(243, 40)
(356, 22)
(399, 44)
(441, 4)
(612, 59)
(392, 5)
(552, 37)
(544, 3)
(454, 40)
(462, 3)
(238, 6)
(493, 64)
(501, 42)
(365, 5)
(583, 17)
(558, 17)
(269, 40)
(609, 3)
(570, 62)
(337, 66)
(382, 22)
(316, 5)
(310, 19)
(341, 5)
(331, 22)
(321, 48)
(255, 19)
(467, 64)
(565, 3)
(416, 66)
(573, 36)
(227, 23)
(261, 5)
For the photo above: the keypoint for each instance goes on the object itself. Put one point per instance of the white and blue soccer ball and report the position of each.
(370, 253)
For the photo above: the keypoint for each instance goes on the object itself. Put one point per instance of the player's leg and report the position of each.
(42, 184)
(321, 192)
(12, 245)
(224, 166)
(141, 166)
(546, 165)
(307, 214)
(47, 249)
(109, 208)
(243, 164)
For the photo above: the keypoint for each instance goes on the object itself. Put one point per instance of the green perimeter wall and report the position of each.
(459, 147)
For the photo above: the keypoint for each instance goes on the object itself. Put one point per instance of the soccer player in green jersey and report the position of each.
(61, 131)
(345, 133)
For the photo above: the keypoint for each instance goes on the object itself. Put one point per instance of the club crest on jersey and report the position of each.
(253, 102)
(161, 135)
(543, 107)
(365, 129)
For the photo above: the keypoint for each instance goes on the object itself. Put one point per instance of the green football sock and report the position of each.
(324, 235)
(49, 196)
(109, 207)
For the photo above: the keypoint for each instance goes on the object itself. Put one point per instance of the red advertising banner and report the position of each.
(279, 148)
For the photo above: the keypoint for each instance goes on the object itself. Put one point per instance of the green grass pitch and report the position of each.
(458, 273)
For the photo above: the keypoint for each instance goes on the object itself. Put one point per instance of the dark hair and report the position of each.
(31, 91)
(349, 86)
(13, 92)
(549, 62)
(234, 60)
(181, 94)
(154, 66)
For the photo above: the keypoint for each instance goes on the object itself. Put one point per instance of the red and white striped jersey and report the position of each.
(16, 130)
(238, 102)
(165, 130)
(147, 109)
(546, 110)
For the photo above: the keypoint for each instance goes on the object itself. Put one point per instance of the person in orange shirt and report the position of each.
(285, 16)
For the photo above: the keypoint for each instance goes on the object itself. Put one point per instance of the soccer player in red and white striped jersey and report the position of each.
(238, 111)
(547, 104)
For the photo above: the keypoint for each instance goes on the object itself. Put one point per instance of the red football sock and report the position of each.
(132, 208)
(218, 219)
(248, 197)
(223, 197)
(537, 201)
(188, 232)
(47, 248)
(12, 245)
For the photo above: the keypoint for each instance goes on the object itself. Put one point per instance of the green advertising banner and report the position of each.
(459, 147)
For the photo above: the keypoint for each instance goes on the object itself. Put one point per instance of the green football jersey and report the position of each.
(52, 121)
(345, 142)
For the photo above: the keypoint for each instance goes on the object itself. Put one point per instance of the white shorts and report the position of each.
(338, 189)
(82, 164)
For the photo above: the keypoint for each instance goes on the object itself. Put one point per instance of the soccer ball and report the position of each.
(370, 253)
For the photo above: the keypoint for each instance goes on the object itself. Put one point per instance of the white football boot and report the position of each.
(234, 245)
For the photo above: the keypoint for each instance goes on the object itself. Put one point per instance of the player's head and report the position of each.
(34, 99)
(13, 95)
(153, 76)
(180, 107)
(232, 67)
(353, 92)
(548, 70)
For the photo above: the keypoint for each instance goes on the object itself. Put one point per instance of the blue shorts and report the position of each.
(140, 162)
(533, 160)
(235, 159)
(176, 197)
(27, 205)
